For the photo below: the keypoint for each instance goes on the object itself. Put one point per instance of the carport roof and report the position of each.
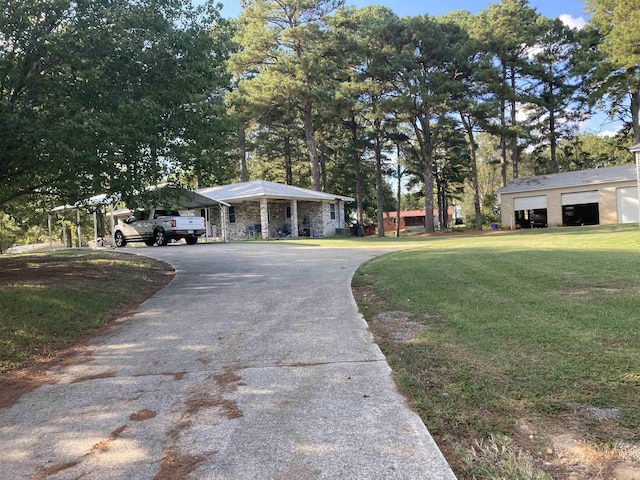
(621, 173)
(258, 189)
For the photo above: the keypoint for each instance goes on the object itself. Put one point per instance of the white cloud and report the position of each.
(576, 23)
(609, 133)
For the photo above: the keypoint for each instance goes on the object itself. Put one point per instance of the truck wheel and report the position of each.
(191, 240)
(160, 238)
(119, 239)
(150, 242)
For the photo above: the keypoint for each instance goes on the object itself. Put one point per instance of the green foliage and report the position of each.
(10, 232)
(611, 59)
(490, 209)
(99, 96)
(283, 62)
(618, 21)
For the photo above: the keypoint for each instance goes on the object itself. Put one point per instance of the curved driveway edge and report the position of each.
(253, 363)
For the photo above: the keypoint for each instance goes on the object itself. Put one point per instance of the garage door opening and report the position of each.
(580, 208)
(531, 212)
(534, 218)
(577, 215)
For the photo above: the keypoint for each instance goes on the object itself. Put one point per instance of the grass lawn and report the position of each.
(48, 301)
(529, 341)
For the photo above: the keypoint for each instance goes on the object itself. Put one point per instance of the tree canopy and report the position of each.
(106, 96)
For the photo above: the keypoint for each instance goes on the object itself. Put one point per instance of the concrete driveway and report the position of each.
(252, 364)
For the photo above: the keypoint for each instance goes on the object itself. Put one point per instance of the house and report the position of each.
(272, 210)
(413, 219)
(601, 196)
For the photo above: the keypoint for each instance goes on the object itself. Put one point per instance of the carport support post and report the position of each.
(264, 218)
(636, 151)
(50, 232)
(113, 225)
(79, 230)
(95, 227)
(294, 218)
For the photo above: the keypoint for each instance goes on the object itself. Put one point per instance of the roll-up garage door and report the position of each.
(530, 203)
(580, 198)
(627, 204)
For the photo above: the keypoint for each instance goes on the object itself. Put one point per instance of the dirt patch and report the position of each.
(53, 469)
(103, 446)
(96, 376)
(397, 326)
(206, 397)
(581, 460)
(15, 384)
(228, 381)
(141, 415)
(563, 454)
(177, 466)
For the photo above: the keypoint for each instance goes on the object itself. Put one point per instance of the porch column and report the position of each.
(224, 211)
(294, 218)
(264, 218)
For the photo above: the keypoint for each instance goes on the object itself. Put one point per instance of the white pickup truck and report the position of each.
(159, 227)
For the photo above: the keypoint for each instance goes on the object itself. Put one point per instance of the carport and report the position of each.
(179, 198)
(96, 205)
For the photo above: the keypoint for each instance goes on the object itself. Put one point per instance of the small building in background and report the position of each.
(600, 196)
(414, 219)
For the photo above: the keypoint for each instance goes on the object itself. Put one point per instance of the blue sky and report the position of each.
(550, 8)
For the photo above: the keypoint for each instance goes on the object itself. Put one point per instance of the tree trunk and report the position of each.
(503, 143)
(242, 147)
(353, 125)
(426, 152)
(310, 137)
(399, 196)
(552, 140)
(322, 159)
(379, 187)
(474, 172)
(288, 162)
(515, 152)
(635, 114)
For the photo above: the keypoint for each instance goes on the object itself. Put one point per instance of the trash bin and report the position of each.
(494, 226)
(358, 230)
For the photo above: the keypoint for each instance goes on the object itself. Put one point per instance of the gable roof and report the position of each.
(621, 173)
(259, 189)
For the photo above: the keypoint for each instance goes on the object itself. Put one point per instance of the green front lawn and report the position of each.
(532, 327)
(48, 301)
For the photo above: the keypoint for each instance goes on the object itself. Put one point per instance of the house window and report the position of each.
(332, 207)
(288, 211)
(232, 214)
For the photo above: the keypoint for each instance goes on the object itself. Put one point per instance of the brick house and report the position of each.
(261, 209)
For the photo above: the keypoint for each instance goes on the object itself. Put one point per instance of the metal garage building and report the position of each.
(599, 196)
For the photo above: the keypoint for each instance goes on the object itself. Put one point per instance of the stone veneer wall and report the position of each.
(247, 215)
(315, 216)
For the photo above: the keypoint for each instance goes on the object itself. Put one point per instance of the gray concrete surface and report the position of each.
(252, 364)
